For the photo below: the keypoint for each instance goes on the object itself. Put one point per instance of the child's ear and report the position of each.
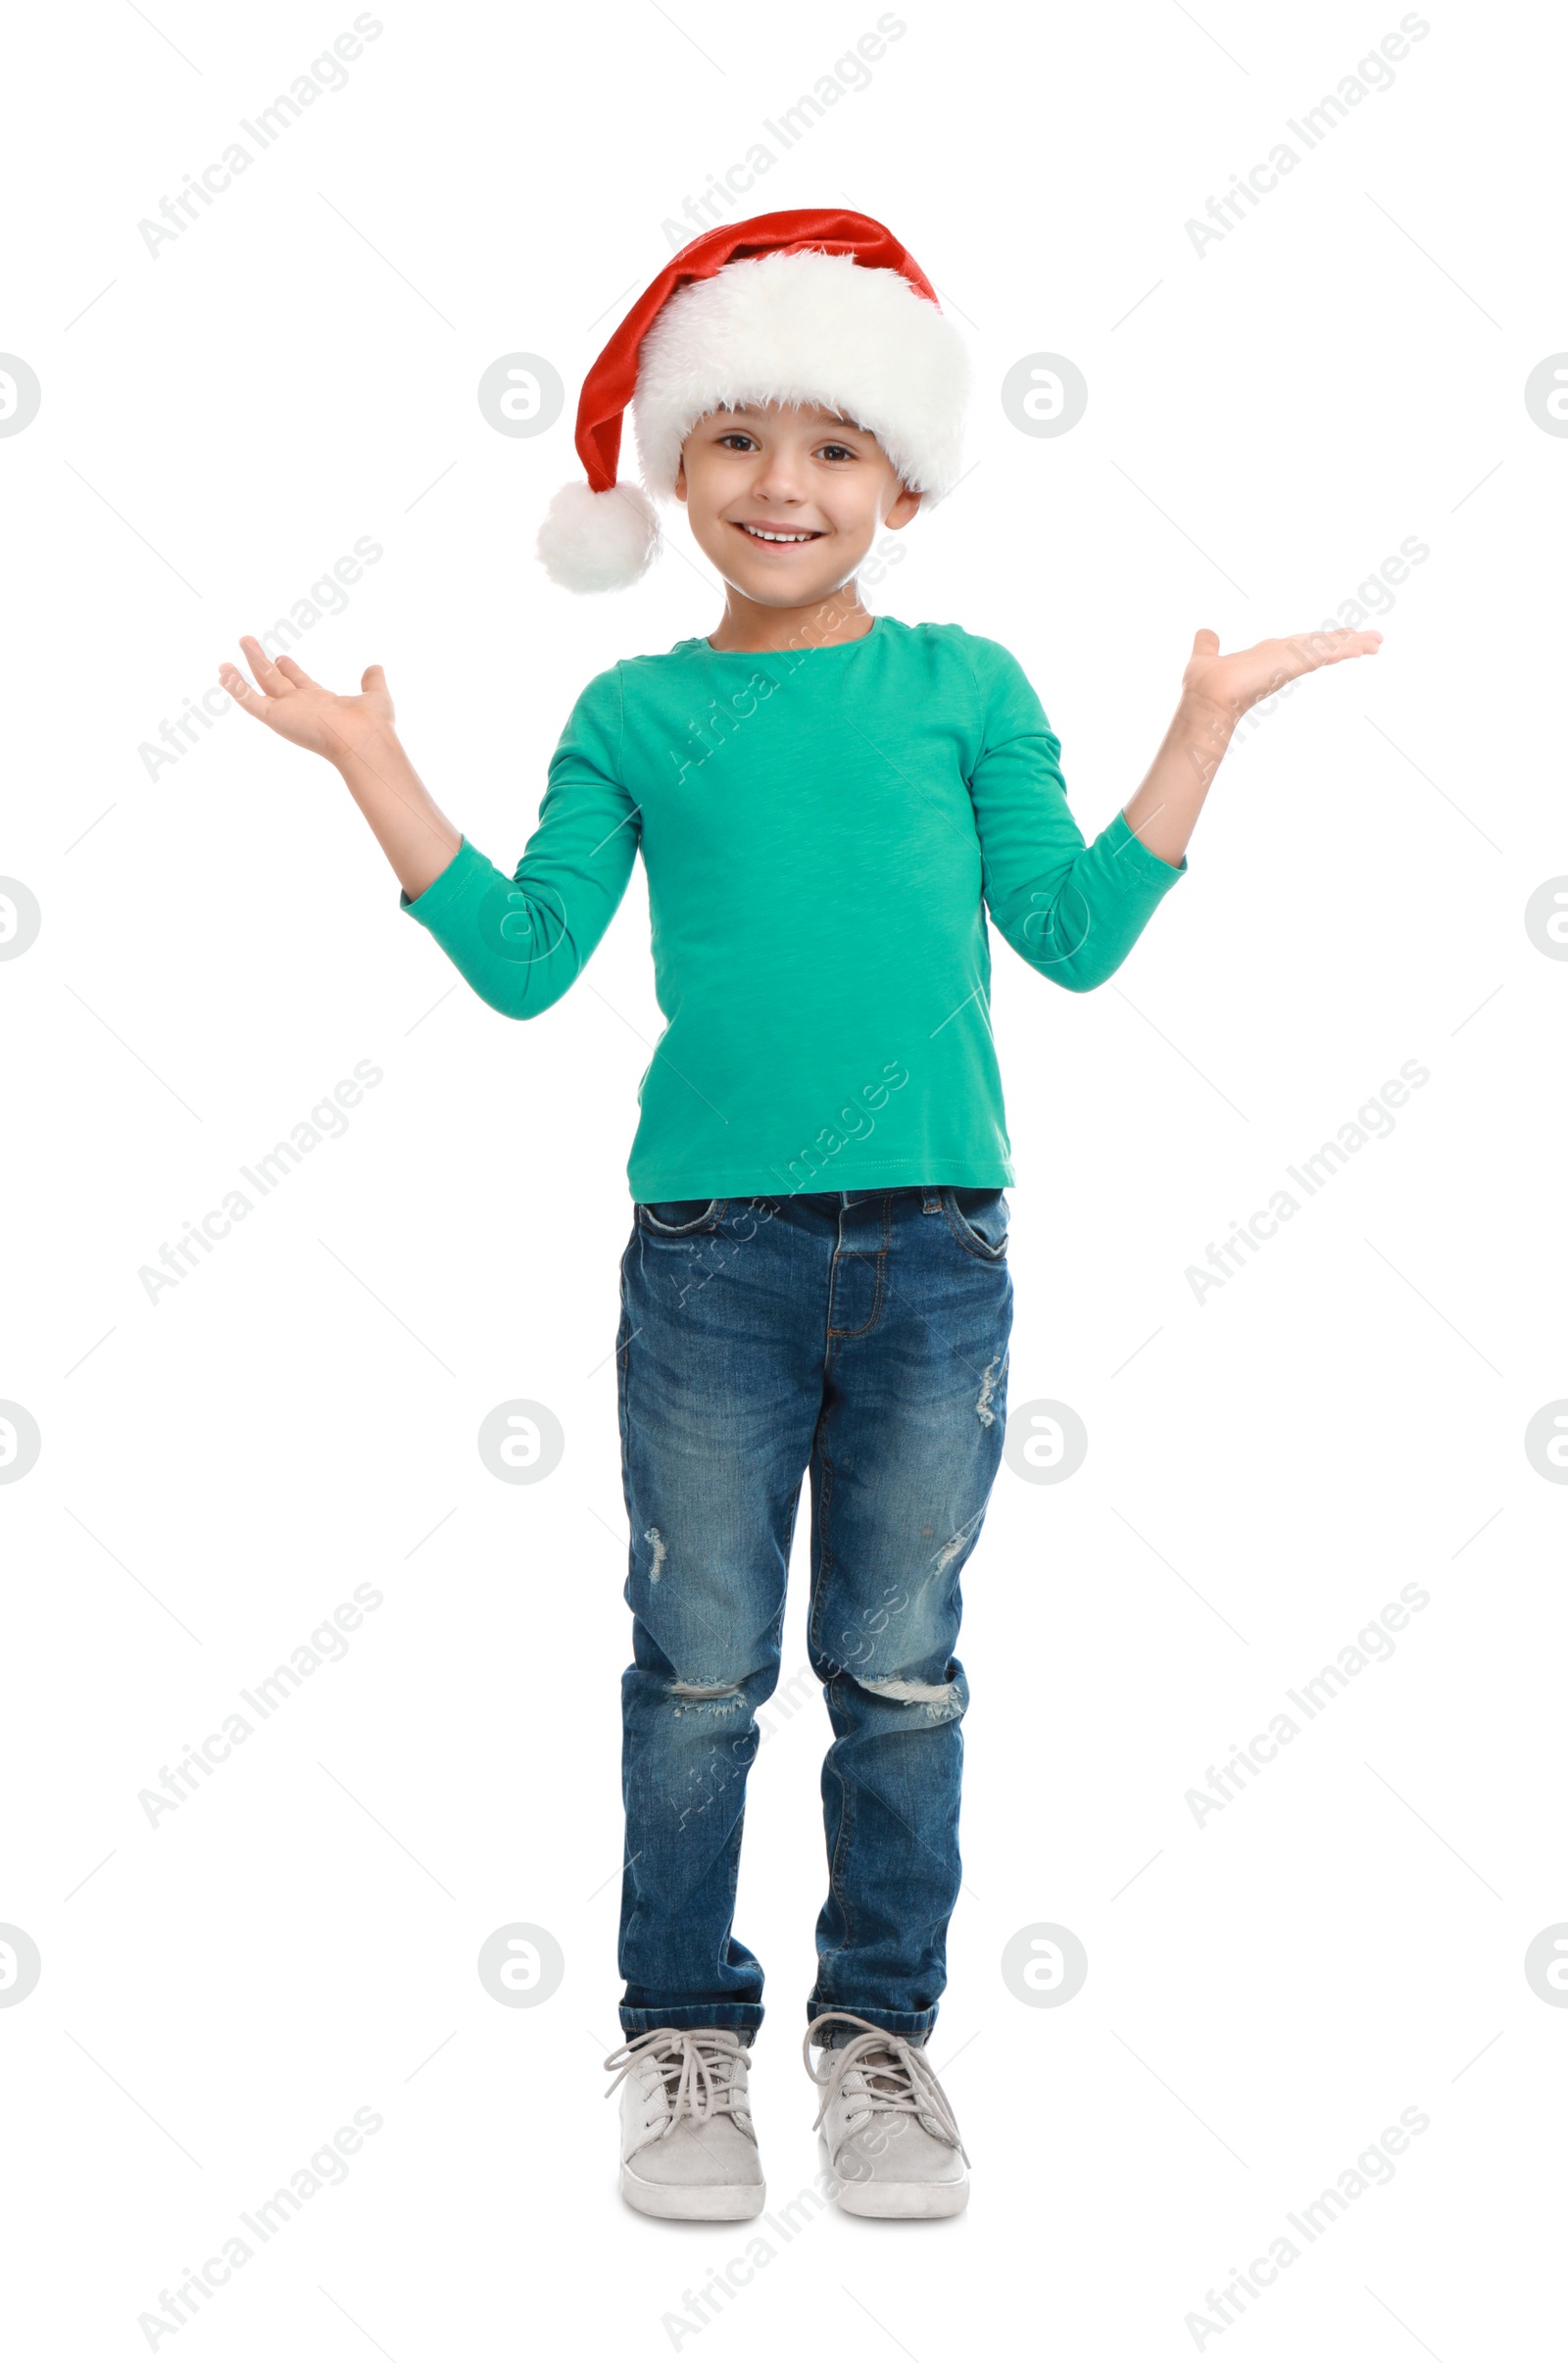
(906, 505)
(680, 478)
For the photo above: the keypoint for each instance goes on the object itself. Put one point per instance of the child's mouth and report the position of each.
(776, 537)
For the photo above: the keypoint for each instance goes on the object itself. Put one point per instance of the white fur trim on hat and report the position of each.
(806, 327)
(598, 541)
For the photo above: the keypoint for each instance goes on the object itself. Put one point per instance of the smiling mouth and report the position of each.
(789, 540)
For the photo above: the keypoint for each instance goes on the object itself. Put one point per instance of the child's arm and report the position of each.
(356, 735)
(520, 941)
(1216, 691)
(1074, 909)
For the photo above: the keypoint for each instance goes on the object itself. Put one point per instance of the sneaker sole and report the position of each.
(895, 2200)
(694, 2202)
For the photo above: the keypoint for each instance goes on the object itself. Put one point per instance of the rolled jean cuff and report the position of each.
(739, 2018)
(914, 2025)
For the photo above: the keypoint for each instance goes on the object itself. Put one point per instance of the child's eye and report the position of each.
(735, 435)
(837, 450)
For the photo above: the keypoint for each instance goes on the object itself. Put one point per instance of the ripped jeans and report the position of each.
(859, 1337)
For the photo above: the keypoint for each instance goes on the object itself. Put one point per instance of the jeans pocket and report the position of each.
(674, 1217)
(979, 1220)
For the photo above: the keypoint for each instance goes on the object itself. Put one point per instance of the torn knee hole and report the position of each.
(722, 1697)
(910, 1694)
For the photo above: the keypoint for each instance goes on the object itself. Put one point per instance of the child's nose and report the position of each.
(780, 478)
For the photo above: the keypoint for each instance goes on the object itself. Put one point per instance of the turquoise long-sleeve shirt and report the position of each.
(823, 832)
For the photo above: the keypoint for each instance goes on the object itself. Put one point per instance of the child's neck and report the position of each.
(750, 629)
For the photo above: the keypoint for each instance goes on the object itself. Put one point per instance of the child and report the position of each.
(827, 803)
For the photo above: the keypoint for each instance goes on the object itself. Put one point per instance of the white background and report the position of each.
(221, 944)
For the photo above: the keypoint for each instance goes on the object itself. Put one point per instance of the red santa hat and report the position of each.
(809, 307)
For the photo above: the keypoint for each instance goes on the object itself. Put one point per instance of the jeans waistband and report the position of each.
(928, 1193)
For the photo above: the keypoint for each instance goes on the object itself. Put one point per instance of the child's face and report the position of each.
(802, 473)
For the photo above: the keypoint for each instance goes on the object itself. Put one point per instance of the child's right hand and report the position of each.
(299, 709)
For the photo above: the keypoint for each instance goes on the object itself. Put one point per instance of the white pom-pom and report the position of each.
(598, 541)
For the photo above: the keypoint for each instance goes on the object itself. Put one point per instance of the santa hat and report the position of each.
(807, 307)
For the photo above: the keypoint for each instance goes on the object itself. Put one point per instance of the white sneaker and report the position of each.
(888, 2130)
(688, 2147)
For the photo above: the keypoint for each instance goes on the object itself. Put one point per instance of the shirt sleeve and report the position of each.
(521, 940)
(1071, 909)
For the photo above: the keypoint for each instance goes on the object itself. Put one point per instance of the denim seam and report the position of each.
(983, 1252)
(818, 1604)
(710, 1220)
(892, 2022)
(735, 1863)
(824, 1564)
(835, 1868)
(634, 2019)
(623, 1386)
(881, 1275)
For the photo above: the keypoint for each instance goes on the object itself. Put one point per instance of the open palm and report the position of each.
(300, 710)
(1231, 684)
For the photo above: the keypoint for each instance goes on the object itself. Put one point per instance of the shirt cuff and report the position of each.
(1133, 856)
(444, 893)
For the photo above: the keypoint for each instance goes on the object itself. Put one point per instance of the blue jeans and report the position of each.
(860, 1336)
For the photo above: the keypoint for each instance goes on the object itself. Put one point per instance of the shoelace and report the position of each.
(897, 2075)
(697, 2065)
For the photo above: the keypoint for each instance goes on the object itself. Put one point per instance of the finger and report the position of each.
(1206, 643)
(1357, 644)
(229, 678)
(1334, 647)
(1302, 653)
(296, 673)
(1351, 643)
(261, 663)
(372, 677)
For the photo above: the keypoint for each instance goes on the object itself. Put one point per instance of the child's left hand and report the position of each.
(1229, 685)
